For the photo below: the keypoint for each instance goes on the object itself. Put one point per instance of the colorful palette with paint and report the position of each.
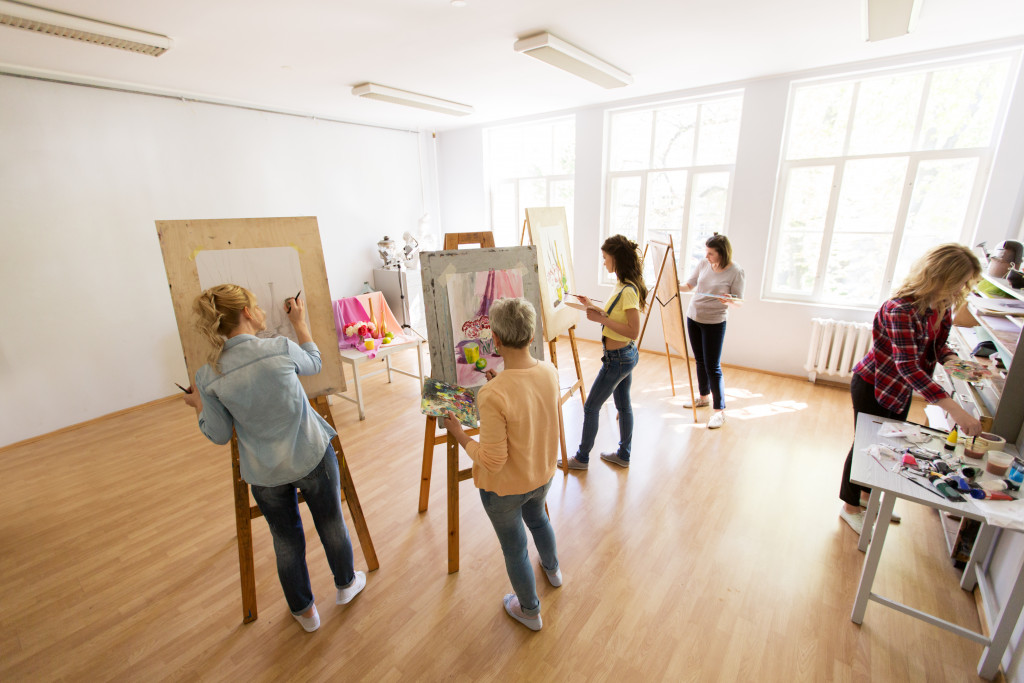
(967, 370)
(439, 398)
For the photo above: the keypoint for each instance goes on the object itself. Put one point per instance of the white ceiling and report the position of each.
(305, 55)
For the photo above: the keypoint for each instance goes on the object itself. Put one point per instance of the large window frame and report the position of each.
(689, 249)
(511, 191)
(896, 263)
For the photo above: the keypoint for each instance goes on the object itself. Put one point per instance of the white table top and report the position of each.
(872, 473)
(384, 350)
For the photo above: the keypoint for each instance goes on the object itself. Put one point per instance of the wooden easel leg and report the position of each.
(348, 488)
(453, 505)
(243, 529)
(553, 352)
(428, 461)
(671, 379)
(579, 368)
(561, 442)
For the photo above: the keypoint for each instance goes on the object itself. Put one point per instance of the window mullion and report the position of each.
(826, 236)
(900, 226)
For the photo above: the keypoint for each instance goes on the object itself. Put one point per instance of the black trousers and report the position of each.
(863, 395)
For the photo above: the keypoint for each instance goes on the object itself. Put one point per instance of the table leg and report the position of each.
(986, 536)
(1004, 625)
(870, 515)
(867, 576)
(419, 361)
(359, 391)
(387, 363)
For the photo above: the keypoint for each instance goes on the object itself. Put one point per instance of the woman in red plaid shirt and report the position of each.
(908, 338)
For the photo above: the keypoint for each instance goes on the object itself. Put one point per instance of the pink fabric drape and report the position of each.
(356, 309)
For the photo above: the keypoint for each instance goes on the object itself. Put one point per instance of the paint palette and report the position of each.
(966, 370)
(438, 398)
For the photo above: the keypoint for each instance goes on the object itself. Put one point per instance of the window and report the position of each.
(529, 166)
(875, 171)
(669, 168)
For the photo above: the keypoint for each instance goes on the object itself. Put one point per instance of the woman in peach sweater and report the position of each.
(514, 461)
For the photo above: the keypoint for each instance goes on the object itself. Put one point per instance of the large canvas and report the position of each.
(549, 232)
(458, 288)
(187, 243)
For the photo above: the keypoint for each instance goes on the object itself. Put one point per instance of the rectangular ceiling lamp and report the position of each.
(882, 19)
(32, 18)
(567, 57)
(410, 99)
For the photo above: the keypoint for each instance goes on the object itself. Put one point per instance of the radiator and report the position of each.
(836, 346)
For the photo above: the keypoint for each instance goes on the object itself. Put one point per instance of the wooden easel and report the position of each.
(245, 513)
(431, 439)
(666, 293)
(552, 339)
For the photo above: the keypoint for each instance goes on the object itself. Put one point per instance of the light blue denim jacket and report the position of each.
(258, 393)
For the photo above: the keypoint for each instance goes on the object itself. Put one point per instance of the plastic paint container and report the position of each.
(1016, 474)
(998, 462)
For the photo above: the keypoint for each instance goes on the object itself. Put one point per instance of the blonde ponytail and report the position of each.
(219, 311)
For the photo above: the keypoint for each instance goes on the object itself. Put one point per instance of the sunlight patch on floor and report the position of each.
(765, 410)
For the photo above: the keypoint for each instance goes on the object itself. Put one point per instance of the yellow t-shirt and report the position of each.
(630, 299)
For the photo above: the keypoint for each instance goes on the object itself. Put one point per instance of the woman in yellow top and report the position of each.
(620, 322)
(515, 459)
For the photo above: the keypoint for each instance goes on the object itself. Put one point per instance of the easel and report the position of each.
(673, 326)
(245, 513)
(552, 335)
(431, 439)
(181, 243)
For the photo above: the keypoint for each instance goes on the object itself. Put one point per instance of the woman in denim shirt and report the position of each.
(251, 386)
(620, 326)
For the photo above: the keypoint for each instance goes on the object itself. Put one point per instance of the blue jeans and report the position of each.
(507, 514)
(613, 379)
(280, 507)
(706, 340)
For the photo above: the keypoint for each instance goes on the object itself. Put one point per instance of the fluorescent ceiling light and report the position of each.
(557, 52)
(410, 99)
(882, 19)
(32, 18)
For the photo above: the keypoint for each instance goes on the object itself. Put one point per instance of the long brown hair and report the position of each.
(721, 244)
(219, 310)
(937, 278)
(626, 255)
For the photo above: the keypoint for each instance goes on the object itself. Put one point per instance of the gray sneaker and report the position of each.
(574, 464)
(613, 457)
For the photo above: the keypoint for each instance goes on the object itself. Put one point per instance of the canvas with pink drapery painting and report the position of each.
(470, 296)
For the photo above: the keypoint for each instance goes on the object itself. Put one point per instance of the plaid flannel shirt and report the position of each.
(903, 355)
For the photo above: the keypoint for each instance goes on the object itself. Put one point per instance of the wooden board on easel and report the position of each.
(183, 244)
(665, 293)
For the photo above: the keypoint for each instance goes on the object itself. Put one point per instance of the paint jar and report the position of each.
(471, 352)
(1016, 474)
(992, 441)
(971, 473)
(998, 462)
(975, 448)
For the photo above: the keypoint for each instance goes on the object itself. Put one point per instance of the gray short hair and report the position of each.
(513, 321)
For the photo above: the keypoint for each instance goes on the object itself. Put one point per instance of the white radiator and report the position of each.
(836, 346)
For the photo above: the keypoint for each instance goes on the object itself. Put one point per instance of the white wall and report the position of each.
(88, 326)
(766, 335)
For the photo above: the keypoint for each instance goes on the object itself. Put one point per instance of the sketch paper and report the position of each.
(272, 274)
(470, 296)
(439, 398)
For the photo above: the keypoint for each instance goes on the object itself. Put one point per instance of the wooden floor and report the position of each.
(718, 555)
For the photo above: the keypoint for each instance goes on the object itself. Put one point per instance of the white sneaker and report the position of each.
(310, 623)
(717, 420)
(854, 519)
(555, 577)
(702, 402)
(350, 591)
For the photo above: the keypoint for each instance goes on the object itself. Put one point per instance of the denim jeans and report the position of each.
(707, 340)
(280, 507)
(613, 379)
(863, 395)
(507, 514)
